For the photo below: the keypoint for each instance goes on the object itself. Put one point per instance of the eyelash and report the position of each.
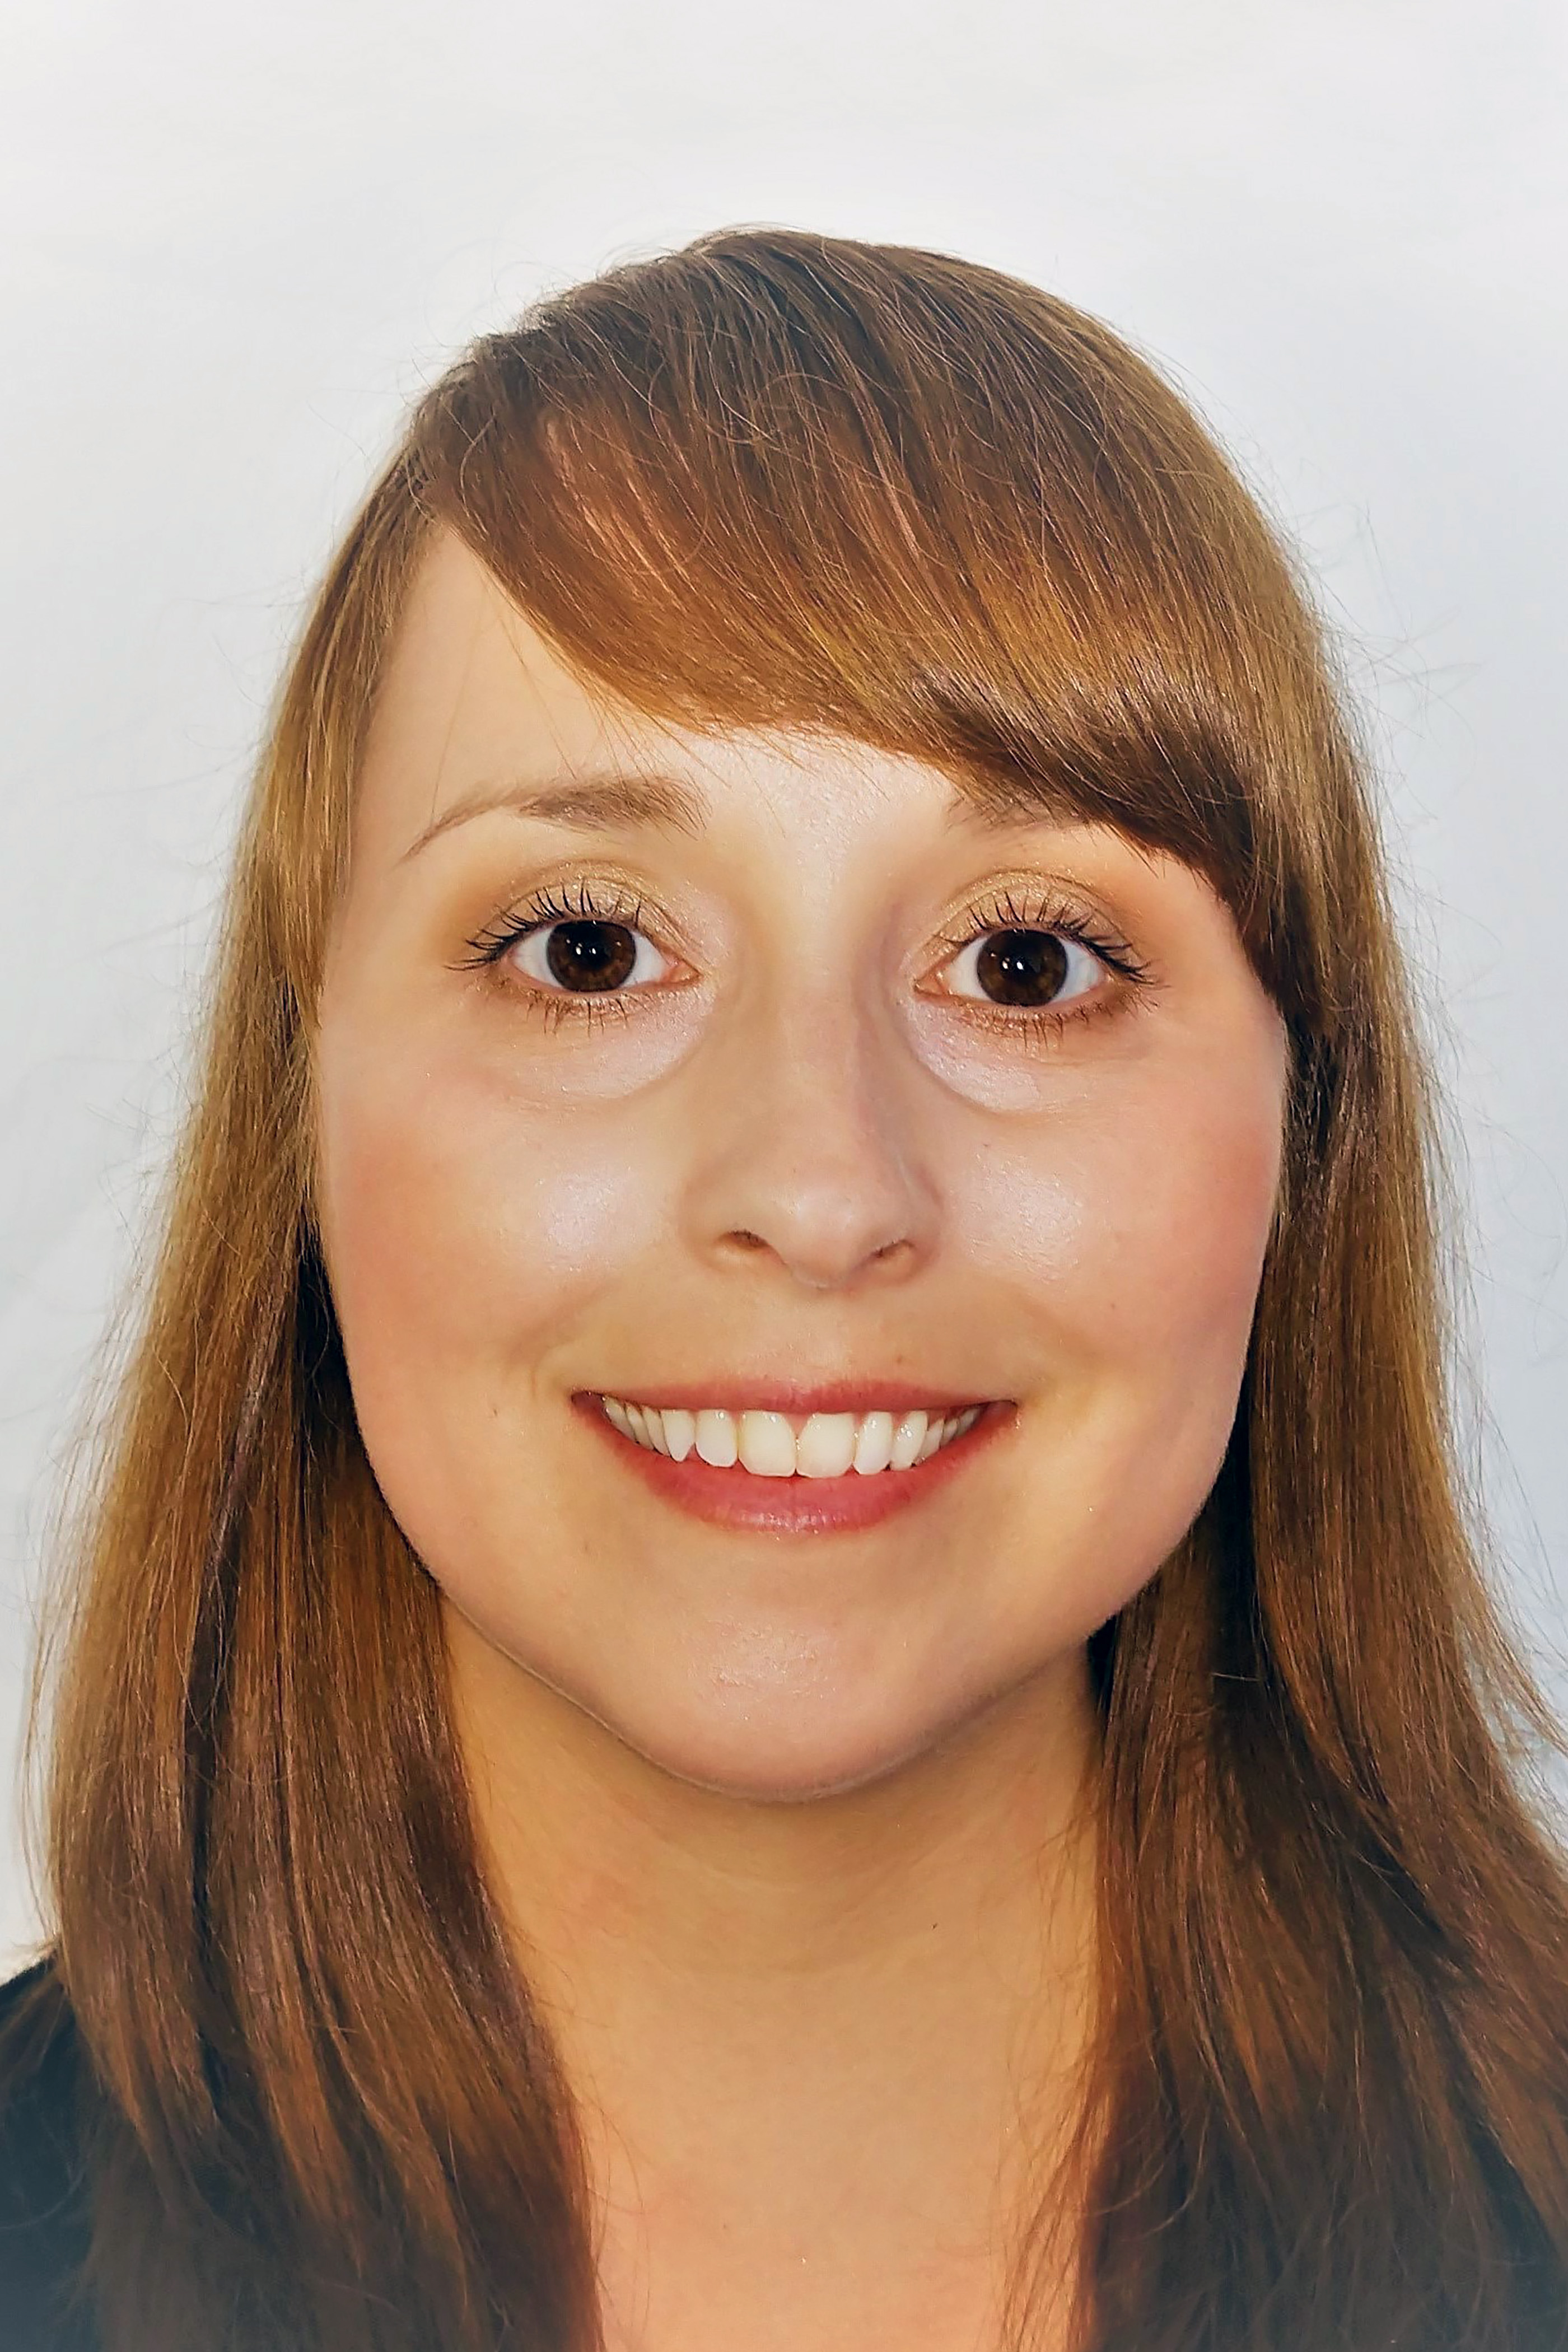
(1005, 912)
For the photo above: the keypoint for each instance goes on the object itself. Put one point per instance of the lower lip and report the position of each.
(796, 1506)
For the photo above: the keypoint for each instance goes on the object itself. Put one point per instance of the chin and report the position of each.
(779, 1771)
(783, 1745)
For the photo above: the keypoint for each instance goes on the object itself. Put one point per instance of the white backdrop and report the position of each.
(238, 237)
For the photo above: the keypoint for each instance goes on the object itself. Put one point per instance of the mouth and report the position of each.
(760, 1465)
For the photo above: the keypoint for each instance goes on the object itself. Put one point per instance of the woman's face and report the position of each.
(766, 1081)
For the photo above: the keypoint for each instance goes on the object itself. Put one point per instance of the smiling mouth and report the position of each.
(792, 1446)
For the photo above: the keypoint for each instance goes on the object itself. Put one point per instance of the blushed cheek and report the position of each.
(466, 1229)
(1136, 1239)
(1125, 1253)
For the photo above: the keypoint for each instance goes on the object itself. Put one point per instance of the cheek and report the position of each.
(465, 1228)
(1130, 1235)
(1127, 1238)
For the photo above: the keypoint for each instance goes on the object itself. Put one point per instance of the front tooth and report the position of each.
(908, 1439)
(680, 1431)
(766, 1444)
(874, 1447)
(716, 1440)
(826, 1446)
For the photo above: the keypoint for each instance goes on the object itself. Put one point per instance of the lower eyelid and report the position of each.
(1042, 1027)
(997, 1033)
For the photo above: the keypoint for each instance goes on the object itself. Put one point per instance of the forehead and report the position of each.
(477, 709)
(467, 680)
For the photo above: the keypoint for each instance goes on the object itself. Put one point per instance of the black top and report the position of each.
(43, 2201)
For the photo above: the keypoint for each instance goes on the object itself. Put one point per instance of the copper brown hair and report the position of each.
(779, 479)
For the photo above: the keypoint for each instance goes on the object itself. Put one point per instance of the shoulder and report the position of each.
(44, 2208)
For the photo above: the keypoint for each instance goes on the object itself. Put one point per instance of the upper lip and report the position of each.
(728, 1394)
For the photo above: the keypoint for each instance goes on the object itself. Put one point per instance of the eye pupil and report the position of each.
(1022, 967)
(586, 956)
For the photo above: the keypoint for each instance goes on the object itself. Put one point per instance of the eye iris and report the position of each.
(591, 955)
(1022, 967)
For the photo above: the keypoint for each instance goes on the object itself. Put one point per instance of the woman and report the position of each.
(778, 1647)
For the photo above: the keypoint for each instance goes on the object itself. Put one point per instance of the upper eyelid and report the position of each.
(1056, 909)
(1037, 900)
(525, 913)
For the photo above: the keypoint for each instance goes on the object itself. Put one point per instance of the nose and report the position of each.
(805, 1150)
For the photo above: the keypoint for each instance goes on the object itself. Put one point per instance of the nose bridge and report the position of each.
(803, 1143)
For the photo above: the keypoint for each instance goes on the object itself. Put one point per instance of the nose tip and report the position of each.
(823, 1260)
(807, 1154)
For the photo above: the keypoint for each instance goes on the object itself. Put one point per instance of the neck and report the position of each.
(776, 2014)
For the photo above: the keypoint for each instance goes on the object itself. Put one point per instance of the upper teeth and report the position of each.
(777, 1446)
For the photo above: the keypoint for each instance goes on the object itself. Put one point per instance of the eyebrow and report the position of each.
(616, 800)
(588, 803)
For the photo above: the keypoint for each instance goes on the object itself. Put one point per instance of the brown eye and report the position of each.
(587, 955)
(1033, 969)
(1022, 967)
